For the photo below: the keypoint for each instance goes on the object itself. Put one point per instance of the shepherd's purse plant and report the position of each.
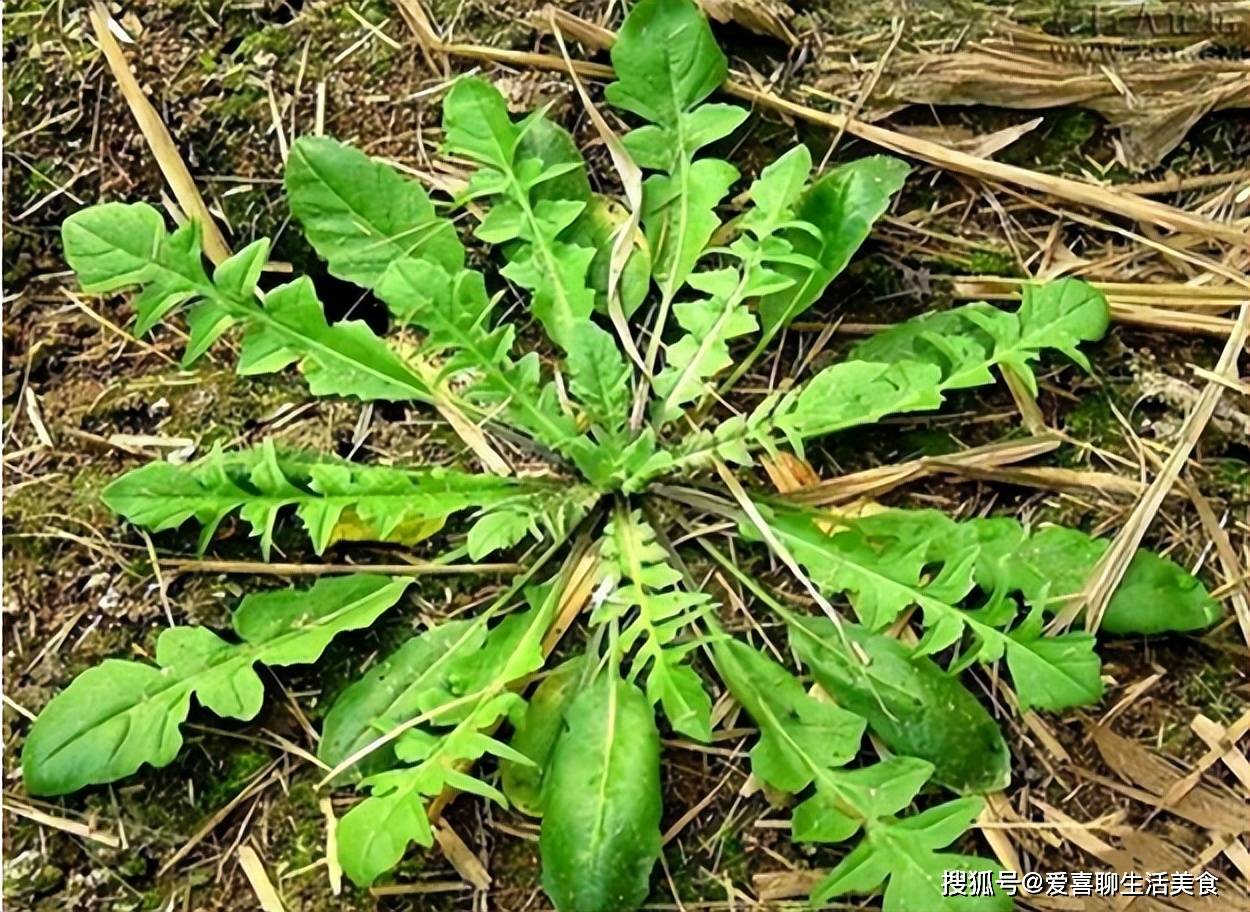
(646, 312)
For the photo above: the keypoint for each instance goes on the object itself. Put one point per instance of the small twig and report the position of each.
(158, 138)
(162, 587)
(416, 568)
(61, 823)
(262, 886)
(1128, 205)
(261, 780)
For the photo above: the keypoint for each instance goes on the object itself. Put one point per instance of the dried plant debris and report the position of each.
(1152, 73)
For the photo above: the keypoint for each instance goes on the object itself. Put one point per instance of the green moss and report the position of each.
(879, 278)
(1092, 420)
(241, 97)
(1228, 478)
(242, 763)
(929, 442)
(274, 39)
(1214, 687)
(305, 840)
(990, 261)
(29, 875)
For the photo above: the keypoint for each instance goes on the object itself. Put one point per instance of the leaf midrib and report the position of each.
(820, 775)
(238, 654)
(988, 634)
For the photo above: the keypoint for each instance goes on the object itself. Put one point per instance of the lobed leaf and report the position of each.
(905, 854)
(535, 199)
(114, 246)
(334, 499)
(887, 566)
(380, 230)
(712, 322)
(966, 341)
(536, 194)
(909, 367)
(459, 712)
(667, 62)
(842, 205)
(644, 582)
(914, 707)
(804, 741)
(1050, 565)
(119, 715)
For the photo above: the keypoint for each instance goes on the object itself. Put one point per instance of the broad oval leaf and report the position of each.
(666, 61)
(912, 705)
(601, 801)
(361, 215)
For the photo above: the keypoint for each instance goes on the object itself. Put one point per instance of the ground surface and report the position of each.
(83, 402)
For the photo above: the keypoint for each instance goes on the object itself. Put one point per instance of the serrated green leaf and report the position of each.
(119, 715)
(343, 359)
(1053, 563)
(542, 213)
(117, 246)
(455, 311)
(803, 741)
(472, 698)
(600, 380)
(333, 499)
(855, 393)
(361, 215)
(601, 801)
(530, 207)
(966, 341)
(884, 565)
(549, 513)
(905, 853)
(842, 206)
(906, 368)
(667, 62)
(655, 610)
(712, 322)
